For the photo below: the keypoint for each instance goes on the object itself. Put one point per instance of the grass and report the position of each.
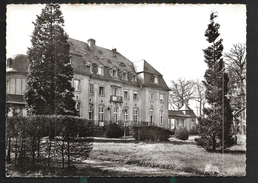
(174, 155)
(185, 157)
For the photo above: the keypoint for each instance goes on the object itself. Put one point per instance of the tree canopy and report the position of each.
(49, 90)
(215, 126)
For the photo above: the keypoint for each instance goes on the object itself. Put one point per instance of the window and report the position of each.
(114, 91)
(116, 114)
(90, 112)
(151, 96)
(124, 76)
(135, 95)
(91, 69)
(7, 86)
(101, 90)
(126, 94)
(151, 115)
(161, 97)
(135, 115)
(101, 70)
(156, 81)
(76, 83)
(125, 114)
(77, 106)
(91, 89)
(161, 117)
(114, 73)
(133, 78)
(101, 114)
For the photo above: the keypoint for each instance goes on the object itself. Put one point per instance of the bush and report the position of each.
(151, 133)
(114, 131)
(126, 129)
(26, 135)
(99, 131)
(193, 131)
(182, 133)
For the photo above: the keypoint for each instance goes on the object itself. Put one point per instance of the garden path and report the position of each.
(132, 170)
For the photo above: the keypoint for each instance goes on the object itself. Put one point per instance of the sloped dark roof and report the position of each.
(19, 63)
(99, 56)
(175, 113)
(188, 110)
(18, 99)
(191, 113)
(148, 68)
(82, 55)
(147, 73)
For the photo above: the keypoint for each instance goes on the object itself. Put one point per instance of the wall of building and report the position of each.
(143, 104)
(15, 84)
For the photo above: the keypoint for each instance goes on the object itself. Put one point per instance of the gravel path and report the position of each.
(132, 170)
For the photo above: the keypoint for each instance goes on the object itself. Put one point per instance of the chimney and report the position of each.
(91, 43)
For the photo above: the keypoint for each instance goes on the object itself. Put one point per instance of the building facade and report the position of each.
(109, 88)
(184, 117)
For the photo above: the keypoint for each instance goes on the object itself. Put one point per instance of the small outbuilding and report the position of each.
(184, 117)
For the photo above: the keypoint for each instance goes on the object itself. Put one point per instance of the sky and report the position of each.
(170, 37)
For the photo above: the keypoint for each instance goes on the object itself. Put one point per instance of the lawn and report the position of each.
(185, 157)
(126, 157)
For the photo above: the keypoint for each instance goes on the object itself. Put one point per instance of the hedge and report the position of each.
(151, 133)
(114, 131)
(25, 137)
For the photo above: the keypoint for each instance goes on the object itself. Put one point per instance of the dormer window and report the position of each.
(100, 70)
(114, 73)
(156, 81)
(109, 61)
(100, 52)
(124, 76)
(122, 63)
(96, 57)
(89, 66)
(133, 78)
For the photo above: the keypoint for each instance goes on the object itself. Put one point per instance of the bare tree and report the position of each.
(236, 68)
(200, 95)
(182, 91)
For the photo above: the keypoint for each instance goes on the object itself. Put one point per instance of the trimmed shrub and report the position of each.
(193, 131)
(114, 131)
(99, 131)
(182, 133)
(151, 133)
(126, 129)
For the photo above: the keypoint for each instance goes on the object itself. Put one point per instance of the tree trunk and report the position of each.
(213, 142)
(62, 150)
(9, 150)
(15, 151)
(38, 148)
(49, 151)
(68, 151)
(200, 114)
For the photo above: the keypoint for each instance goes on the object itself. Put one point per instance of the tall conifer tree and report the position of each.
(212, 123)
(49, 90)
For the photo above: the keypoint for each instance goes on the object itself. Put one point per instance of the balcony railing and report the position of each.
(114, 98)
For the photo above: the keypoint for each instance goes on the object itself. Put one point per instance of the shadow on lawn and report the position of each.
(228, 151)
(147, 142)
